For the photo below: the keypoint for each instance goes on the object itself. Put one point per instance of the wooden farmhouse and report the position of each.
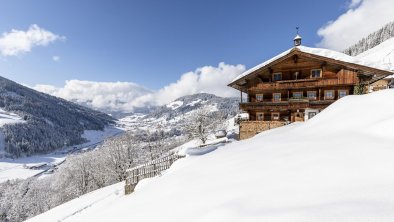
(299, 83)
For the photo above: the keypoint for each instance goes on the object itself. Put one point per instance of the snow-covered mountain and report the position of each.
(175, 115)
(372, 40)
(376, 47)
(383, 53)
(33, 122)
(343, 174)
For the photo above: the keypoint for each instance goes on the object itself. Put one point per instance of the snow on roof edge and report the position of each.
(319, 52)
(247, 72)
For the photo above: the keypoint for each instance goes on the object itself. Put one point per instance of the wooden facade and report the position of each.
(297, 86)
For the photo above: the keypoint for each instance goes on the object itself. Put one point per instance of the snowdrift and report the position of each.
(336, 167)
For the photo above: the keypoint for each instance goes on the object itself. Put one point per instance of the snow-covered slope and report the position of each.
(7, 118)
(335, 167)
(383, 53)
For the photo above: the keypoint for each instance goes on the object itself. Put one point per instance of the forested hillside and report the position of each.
(371, 40)
(50, 122)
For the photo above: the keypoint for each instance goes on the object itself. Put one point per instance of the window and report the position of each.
(311, 114)
(260, 116)
(276, 97)
(342, 93)
(277, 76)
(297, 95)
(275, 116)
(316, 73)
(329, 94)
(311, 94)
(259, 97)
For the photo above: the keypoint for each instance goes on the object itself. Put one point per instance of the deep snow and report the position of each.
(338, 166)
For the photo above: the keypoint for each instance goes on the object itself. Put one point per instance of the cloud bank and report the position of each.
(111, 96)
(126, 96)
(361, 18)
(17, 42)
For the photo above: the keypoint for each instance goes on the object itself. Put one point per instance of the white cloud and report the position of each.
(113, 96)
(207, 79)
(125, 96)
(361, 18)
(55, 58)
(17, 42)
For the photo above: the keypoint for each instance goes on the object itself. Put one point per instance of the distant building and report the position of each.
(298, 83)
(386, 83)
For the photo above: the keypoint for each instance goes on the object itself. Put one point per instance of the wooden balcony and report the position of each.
(303, 84)
(285, 104)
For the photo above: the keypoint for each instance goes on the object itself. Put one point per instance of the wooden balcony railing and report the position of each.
(303, 83)
(284, 100)
(147, 170)
(286, 104)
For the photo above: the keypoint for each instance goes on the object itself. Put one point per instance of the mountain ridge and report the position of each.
(50, 122)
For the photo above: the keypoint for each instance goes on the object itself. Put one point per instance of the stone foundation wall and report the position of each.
(248, 129)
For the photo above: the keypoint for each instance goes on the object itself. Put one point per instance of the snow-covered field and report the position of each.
(338, 166)
(21, 168)
(9, 118)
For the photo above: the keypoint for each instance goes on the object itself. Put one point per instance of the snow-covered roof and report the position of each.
(297, 37)
(327, 53)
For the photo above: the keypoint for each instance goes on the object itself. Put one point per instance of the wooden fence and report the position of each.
(147, 170)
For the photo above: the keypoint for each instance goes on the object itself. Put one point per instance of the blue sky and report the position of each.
(118, 55)
(153, 42)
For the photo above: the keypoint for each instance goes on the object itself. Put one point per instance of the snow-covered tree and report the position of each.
(372, 40)
(203, 123)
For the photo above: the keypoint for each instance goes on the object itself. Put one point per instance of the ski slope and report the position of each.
(338, 167)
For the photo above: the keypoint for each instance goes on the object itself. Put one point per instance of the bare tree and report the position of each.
(203, 123)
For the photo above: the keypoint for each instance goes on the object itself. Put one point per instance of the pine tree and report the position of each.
(371, 40)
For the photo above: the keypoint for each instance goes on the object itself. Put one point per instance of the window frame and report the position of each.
(262, 97)
(329, 98)
(274, 114)
(257, 116)
(310, 116)
(273, 97)
(321, 73)
(276, 73)
(342, 90)
(312, 98)
(302, 94)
